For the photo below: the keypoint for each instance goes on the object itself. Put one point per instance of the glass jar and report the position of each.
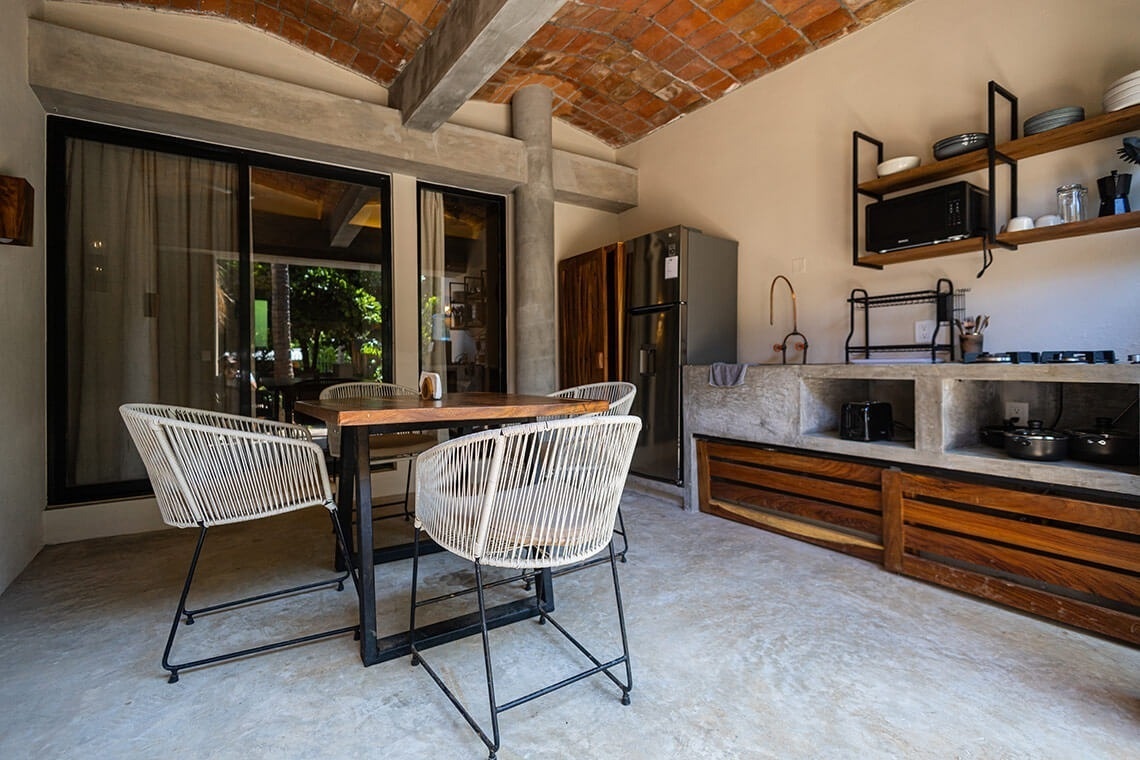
(1071, 202)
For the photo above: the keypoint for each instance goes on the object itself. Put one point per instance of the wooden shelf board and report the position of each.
(1095, 128)
(1089, 130)
(927, 173)
(923, 252)
(1073, 229)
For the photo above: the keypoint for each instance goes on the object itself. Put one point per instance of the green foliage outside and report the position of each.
(333, 313)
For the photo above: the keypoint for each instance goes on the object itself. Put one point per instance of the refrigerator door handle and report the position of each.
(647, 360)
(654, 308)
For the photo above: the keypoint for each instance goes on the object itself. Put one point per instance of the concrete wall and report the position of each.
(769, 165)
(22, 464)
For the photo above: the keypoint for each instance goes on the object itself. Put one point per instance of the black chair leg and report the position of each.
(628, 685)
(620, 530)
(182, 608)
(189, 614)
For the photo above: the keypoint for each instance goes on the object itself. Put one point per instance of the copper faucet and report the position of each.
(783, 347)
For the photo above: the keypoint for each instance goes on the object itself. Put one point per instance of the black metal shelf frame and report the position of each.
(942, 296)
(993, 158)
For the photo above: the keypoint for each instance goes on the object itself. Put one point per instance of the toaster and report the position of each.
(866, 421)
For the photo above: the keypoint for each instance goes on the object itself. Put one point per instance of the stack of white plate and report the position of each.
(1123, 92)
(1058, 117)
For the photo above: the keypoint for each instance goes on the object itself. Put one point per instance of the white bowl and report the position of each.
(899, 164)
(1019, 223)
(1047, 221)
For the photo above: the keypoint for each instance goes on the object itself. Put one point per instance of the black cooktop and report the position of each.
(1041, 357)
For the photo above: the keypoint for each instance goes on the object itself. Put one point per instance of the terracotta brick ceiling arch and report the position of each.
(619, 69)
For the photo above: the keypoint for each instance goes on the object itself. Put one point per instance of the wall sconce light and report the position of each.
(17, 208)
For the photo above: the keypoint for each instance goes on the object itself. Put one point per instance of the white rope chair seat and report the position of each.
(538, 495)
(619, 395)
(398, 445)
(209, 468)
(232, 470)
(386, 445)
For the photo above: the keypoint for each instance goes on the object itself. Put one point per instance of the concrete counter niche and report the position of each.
(940, 410)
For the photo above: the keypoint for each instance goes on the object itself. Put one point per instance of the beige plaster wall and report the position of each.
(22, 464)
(769, 165)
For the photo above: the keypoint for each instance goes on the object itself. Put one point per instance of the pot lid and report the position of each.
(1036, 431)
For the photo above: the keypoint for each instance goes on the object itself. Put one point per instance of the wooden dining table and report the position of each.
(358, 418)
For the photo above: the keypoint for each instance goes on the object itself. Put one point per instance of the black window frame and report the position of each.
(59, 130)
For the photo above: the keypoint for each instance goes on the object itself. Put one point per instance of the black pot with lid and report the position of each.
(1036, 442)
(1104, 444)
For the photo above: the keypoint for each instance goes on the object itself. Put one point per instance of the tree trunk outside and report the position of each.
(282, 327)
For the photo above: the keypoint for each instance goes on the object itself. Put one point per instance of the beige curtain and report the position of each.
(144, 234)
(434, 333)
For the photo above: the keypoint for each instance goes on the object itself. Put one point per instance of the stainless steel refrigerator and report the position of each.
(681, 309)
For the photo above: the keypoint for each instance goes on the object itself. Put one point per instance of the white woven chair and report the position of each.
(620, 395)
(388, 448)
(531, 497)
(209, 468)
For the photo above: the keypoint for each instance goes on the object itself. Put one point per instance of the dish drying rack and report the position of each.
(948, 305)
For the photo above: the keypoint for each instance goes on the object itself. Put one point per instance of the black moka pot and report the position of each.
(1114, 193)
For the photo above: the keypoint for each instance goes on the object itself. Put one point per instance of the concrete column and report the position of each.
(534, 282)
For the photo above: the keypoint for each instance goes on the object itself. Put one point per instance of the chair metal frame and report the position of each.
(210, 468)
(530, 497)
(416, 443)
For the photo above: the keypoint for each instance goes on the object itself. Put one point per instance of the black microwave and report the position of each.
(938, 215)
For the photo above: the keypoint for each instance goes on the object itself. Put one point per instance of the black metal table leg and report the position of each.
(355, 451)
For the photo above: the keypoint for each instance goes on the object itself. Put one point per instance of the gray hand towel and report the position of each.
(725, 375)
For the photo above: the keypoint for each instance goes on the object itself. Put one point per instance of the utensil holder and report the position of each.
(970, 343)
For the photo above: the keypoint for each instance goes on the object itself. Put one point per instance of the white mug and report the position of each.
(430, 386)
(1047, 221)
(1019, 223)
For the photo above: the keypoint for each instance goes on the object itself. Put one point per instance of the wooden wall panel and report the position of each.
(1071, 560)
(826, 502)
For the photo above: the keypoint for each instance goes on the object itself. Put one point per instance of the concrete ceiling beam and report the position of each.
(472, 41)
(86, 76)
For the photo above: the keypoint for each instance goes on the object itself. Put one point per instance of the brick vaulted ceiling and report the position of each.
(619, 69)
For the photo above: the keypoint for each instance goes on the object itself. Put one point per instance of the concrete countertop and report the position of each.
(946, 404)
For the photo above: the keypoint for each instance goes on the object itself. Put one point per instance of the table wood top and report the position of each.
(454, 409)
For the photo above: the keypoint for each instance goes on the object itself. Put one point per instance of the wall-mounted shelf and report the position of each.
(1089, 130)
(1095, 128)
(1092, 226)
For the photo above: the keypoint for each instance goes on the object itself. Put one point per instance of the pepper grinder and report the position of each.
(1114, 193)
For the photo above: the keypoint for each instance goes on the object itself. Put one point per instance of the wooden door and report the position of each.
(590, 299)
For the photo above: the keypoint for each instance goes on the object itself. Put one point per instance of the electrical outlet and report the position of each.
(1018, 409)
(924, 330)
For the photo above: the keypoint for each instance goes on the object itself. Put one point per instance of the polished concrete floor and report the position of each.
(745, 645)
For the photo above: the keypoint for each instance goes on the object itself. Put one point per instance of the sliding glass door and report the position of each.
(200, 276)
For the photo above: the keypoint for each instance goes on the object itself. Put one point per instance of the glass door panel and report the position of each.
(462, 306)
(319, 287)
(150, 255)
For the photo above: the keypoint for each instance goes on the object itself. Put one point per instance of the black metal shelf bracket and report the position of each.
(856, 138)
(994, 156)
